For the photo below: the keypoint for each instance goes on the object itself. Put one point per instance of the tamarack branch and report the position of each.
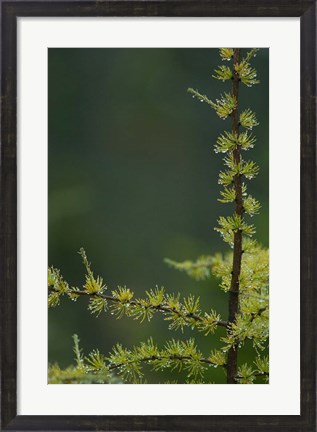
(243, 273)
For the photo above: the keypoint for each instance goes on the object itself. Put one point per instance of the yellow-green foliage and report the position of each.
(251, 321)
(89, 370)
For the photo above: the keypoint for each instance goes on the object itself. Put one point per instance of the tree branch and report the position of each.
(164, 357)
(232, 360)
(158, 308)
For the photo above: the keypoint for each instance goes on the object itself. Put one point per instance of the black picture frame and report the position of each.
(10, 10)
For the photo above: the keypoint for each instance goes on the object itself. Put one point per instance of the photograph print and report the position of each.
(158, 216)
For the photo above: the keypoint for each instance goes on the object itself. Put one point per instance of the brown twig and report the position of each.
(232, 359)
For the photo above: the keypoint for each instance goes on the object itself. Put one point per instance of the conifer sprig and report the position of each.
(176, 355)
(227, 142)
(248, 119)
(226, 53)
(122, 303)
(223, 106)
(126, 365)
(198, 270)
(223, 73)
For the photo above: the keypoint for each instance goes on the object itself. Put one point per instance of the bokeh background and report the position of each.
(133, 179)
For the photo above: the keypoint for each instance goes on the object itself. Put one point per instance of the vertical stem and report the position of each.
(232, 359)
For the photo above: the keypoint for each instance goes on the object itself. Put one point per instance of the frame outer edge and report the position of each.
(8, 242)
(308, 200)
(8, 219)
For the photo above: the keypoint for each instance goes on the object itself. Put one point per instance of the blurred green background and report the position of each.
(133, 179)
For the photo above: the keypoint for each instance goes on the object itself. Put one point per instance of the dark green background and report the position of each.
(133, 179)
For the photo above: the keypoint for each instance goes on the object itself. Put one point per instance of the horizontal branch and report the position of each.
(161, 358)
(177, 358)
(174, 355)
(160, 307)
